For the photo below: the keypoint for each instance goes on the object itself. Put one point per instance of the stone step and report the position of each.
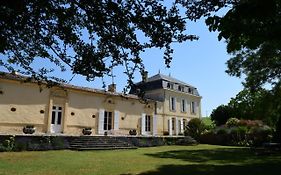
(98, 143)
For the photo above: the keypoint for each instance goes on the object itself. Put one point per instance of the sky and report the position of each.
(199, 63)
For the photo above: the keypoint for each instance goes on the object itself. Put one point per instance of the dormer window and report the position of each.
(181, 88)
(190, 90)
(170, 85)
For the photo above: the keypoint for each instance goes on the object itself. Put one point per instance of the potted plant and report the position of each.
(28, 129)
(133, 132)
(87, 131)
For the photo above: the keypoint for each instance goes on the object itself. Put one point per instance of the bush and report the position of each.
(221, 114)
(194, 128)
(238, 136)
(222, 131)
(232, 122)
(186, 141)
(260, 135)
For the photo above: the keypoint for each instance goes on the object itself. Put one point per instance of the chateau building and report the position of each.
(67, 109)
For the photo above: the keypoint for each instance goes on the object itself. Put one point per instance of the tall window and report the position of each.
(172, 103)
(173, 123)
(56, 115)
(193, 107)
(183, 105)
(107, 120)
(184, 123)
(147, 123)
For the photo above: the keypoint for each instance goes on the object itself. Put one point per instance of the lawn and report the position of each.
(173, 160)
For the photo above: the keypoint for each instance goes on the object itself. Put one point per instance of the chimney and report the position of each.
(112, 87)
(144, 76)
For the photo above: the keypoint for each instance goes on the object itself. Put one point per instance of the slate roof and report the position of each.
(167, 78)
(155, 82)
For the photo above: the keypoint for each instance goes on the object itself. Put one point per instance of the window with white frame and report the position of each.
(147, 123)
(108, 121)
(193, 107)
(183, 105)
(172, 103)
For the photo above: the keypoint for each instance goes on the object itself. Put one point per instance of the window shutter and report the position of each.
(181, 127)
(101, 121)
(196, 107)
(154, 129)
(170, 103)
(170, 126)
(177, 126)
(116, 120)
(143, 124)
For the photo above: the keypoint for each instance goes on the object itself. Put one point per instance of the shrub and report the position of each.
(186, 141)
(222, 130)
(194, 128)
(250, 123)
(232, 122)
(260, 135)
(238, 136)
(8, 144)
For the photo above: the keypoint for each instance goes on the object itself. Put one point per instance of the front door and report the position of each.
(107, 124)
(56, 122)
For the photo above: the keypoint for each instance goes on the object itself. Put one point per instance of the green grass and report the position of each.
(173, 160)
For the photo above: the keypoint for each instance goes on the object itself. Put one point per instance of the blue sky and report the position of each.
(199, 63)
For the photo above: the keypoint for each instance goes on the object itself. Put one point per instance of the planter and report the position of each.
(28, 129)
(87, 131)
(133, 132)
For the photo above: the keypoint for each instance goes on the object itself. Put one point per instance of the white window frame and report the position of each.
(183, 105)
(172, 103)
(193, 107)
(147, 123)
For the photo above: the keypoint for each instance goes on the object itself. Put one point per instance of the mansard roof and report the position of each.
(156, 82)
(167, 78)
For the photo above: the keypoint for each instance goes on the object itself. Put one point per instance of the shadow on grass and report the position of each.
(253, 169)
(221, 161)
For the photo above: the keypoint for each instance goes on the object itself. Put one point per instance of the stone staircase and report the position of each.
(98, 143)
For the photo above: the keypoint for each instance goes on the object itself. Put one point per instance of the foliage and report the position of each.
(232, 122)
(209, 124)
(187, 140)
(194, 128)
(255, 44)
(87, 37)
(8, 144)
(221, 114)
(133, 132)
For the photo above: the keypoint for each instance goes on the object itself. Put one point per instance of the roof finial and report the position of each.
(170, 74)
(159, 71)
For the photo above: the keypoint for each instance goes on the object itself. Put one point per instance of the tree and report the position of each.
(221, 114)
(252, 30)
(194, 128)
(85, 36)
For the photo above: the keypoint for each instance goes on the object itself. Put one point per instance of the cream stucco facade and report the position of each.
(67, 109)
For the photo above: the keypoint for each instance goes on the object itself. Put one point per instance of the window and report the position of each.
(190, 90)
(56, 115)
(183, 105)
(107, 124)
(147, 123)
(172, 103)
(170, 85)
(181, 88)
(184, 123)
(193, 107)
(173, 123)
